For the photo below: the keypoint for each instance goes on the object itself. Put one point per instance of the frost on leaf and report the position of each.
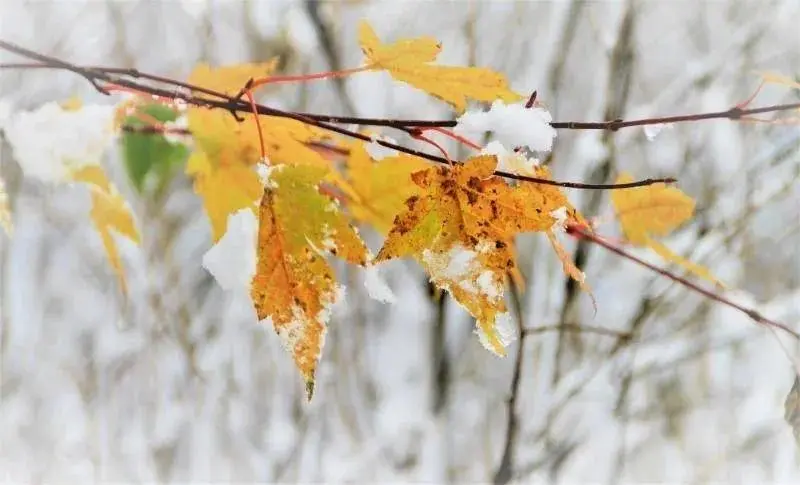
(461, 228)
(409, 60)
(376, 286)
(380, 189)
(513, 125)
(655, 211)
(109, 213)
(294, 286)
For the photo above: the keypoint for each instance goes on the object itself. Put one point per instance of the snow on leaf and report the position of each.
(509, 160)
(75, 138)
(232, 260)
(377, 151)
(109, 212)
(461, 228)
(225, 189)
(380, 189)
(655, 211)
(408, 60)
(376, 286)
(513, 125)
(293, 285)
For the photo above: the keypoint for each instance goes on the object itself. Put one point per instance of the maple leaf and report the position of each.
(655, 210)
(228, 150)
(408, 60)
(380, 189)
(230, 79)
(294, 286)
(109, 212)
(551, 200)
(462, 230)
(224, 189)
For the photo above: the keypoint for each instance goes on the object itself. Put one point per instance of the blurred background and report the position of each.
(178, 383)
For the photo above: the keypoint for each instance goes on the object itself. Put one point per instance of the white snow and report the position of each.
(488, 286)
(509, 160)
(560, 215)
(506, 331)
(50, 142)
(377, 151)
(180, 123)
(177, 384)
(232, 260)
(265, 171)
(376, 286)
(652, 131)
(513, 125)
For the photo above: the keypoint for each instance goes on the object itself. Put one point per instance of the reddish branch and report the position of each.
(103, 78)
(184, 91)
(754, 315)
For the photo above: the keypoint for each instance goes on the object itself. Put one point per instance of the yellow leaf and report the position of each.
(775, 78)
(380, 188)
(294, 286)
(655, 210)
(109, 212)
(407, 60)
(224, 189)
(5, 210)
(462, 230)
(230, 79)
(568, 266)
(73, 103)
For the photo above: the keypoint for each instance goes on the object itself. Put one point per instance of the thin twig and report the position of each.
(750, 312)
(734, 113)
(235, 105)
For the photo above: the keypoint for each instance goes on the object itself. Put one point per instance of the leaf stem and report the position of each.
(308, 77)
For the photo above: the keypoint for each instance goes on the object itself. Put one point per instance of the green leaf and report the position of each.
(150, 155)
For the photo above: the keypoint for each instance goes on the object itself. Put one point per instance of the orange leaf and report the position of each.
(294, 286)
(462, 230)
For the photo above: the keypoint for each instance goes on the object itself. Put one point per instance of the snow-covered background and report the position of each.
(177, 383)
